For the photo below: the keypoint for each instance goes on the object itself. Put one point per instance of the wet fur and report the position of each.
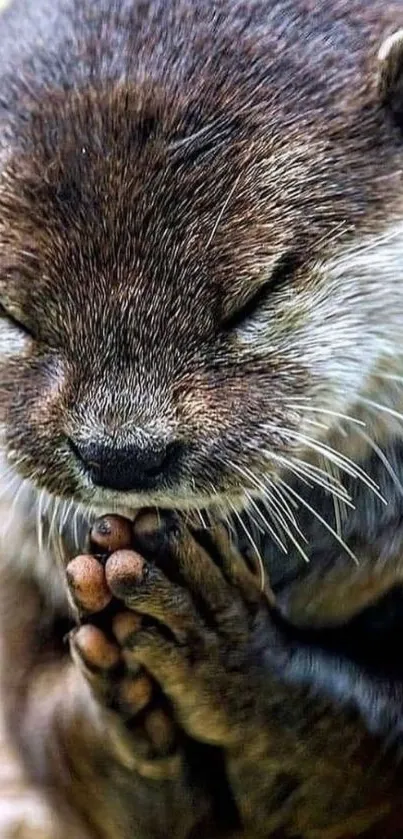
(159, 162)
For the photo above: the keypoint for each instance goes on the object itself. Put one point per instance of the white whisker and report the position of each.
(391, 377)
(382, 457)
(254, 546)
(202, 520)
(53, 520)
(320, 518)
(294, 540)
(223, 209)
(39, 521)
(75, 529)
(302, 468)
(382, 408)
(268, 526)
(344, 463)
(330, 413)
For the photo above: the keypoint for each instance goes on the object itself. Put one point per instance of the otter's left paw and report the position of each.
(202, 608)
(96, 648)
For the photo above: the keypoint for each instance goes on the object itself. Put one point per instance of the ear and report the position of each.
(390, 78)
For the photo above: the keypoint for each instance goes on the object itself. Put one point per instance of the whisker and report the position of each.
(223, 209)
(338, 501)
(39, 521)
(392, 377)
(368, 247)
(267, 487)
(304, 469)
(254, 546)
(322, 472)
(317, 424)
(290, 466)
(250, 476)
(267, 524)
(282, 506)
(345, 464)
(320, 518)
(330, 413)
(65, 515)
(382, 408)
(75, 529)
(263, 486)
(382, 457)
(202, 520)
(9, 485)
(252, 518)
(294, 540)
(56, 506)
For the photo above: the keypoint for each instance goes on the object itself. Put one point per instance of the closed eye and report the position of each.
(11, 319)
(283, 270)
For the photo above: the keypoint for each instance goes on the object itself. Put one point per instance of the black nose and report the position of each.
(131, 468)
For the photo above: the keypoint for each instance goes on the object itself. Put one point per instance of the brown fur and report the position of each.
(78, 147)
(193, 197)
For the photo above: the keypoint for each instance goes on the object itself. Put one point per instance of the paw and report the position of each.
(97, 648)
(201, 608)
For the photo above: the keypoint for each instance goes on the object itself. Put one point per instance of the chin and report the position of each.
(217, 505)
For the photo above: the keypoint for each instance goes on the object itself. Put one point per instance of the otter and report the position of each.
(200, 287)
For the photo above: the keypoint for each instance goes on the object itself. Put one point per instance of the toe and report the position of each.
(95, 649)
(144, 588)
(134, 694)
(195, 558)
(87, 584)
(124, 625)
(161, 731)
(162, 658)
(111, 533)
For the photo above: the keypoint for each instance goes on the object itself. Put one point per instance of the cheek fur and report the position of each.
(32, 411)
(34, 388)
(314, 344)
(241, 413)
(341, 322)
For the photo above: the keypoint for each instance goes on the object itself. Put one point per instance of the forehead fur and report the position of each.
(194, 165)
(139, 180)
(156, 160)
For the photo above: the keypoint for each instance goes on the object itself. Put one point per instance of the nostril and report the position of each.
(152, 461)
(171, 456)
(126, 468)
(161, 460)
(90, 455)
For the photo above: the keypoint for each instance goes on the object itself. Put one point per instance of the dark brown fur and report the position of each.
(76, 140)
(162, 165)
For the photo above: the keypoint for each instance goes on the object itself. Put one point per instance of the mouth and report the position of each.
(277, 519)
(65, 524)
(184, 499)
(253, 540)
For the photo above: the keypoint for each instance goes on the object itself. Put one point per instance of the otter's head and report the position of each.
(180, 316)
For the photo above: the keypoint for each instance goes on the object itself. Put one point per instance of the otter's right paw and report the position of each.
(96, 649)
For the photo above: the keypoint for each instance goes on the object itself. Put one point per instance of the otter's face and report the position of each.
(173, 318)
